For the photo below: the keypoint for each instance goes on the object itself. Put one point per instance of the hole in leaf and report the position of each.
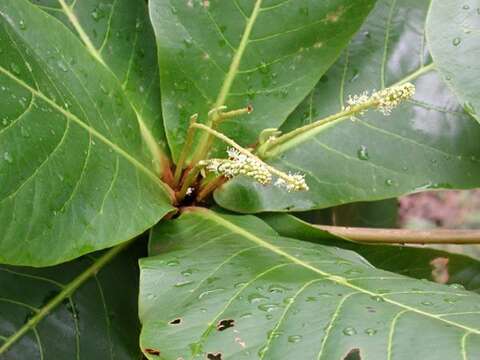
(225, 324)
(176, 321)
(353, 354)
(152, 352)
(214, 356)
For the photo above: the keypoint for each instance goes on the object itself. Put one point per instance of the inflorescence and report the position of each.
(242, 164)
(384, 100)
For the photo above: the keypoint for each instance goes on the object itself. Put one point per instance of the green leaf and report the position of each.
(120, 35)
(410, 261)
(373, 214)
(244, 293)
(266, 53)
(75, 175)
(455, 48)
(96, 320)
(427, 143)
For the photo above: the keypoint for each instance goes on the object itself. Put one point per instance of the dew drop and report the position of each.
(188, 42)
(362, 153)
(97, 14)
(370, 332)
(267, 307)
(183, 283)
(457, 41)
(450, 300)
(256, 297)
(457, 286)
(187, 272)
(389, 182)
(349, 331)
(294, 338)
(15, 68)
(427, 303)
(465, 7)
(173, 262)
(62, 66)
(7, 157)
(22, 25)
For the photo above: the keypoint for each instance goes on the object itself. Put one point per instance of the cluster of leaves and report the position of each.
(95, 103)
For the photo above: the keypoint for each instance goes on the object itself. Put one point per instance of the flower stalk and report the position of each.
(185, 149)
(384, 100)
(242, 162)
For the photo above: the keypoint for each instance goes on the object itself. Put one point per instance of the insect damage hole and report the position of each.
(214, 356)
(353, 354)
(152, 352)
(176, 321)
(225, 324)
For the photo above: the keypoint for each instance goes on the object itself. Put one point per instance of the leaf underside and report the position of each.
(427, 143)
(244, 292)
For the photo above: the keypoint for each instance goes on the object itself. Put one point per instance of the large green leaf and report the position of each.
(97, 321)
(427, 143)
(410, 261)
(75, 175)
(268, 53)
(120, 35)
(243, 292)
(456, 49)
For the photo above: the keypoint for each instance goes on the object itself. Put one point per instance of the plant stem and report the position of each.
(205, 141)
(65, 293)
(404, 236)
(273, 147)
(189, 180)
(240, 149)
(185, 150)
(210, 187)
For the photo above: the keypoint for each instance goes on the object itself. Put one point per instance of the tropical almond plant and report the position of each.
(159, 161)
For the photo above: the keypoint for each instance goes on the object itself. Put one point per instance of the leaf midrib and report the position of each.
(146, 132)
(88, 128)
(237, 58)
(209, 215)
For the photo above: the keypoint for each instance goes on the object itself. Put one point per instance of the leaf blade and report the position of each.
(61, 176)
(445, 44)
(269, 269)
(101, 301)
(371, 158)
(229, 56)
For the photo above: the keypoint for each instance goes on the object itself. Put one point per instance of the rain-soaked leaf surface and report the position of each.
(242, 291)
(75, 174)
(120, 33)
(266, 53)
(426, 143)
(456, 48)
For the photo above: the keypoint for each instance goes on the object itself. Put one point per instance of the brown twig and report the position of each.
(404, 236)
(210, 187)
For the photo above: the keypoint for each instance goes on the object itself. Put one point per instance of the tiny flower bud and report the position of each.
(384, 100)
(241, 164)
